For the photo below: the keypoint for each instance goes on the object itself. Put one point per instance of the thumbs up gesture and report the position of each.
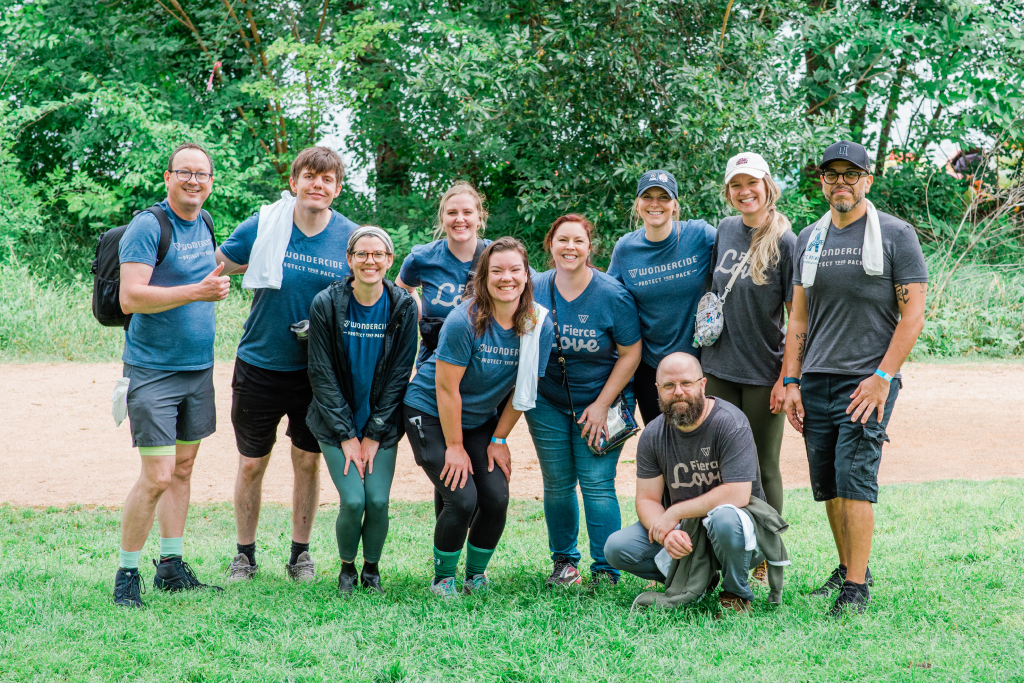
(214, 287)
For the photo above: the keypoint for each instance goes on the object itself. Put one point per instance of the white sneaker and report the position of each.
(445, 588)
(478, 585)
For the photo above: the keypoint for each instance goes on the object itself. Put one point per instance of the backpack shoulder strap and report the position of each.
(208, 219)
(480, 246)
(165, 232)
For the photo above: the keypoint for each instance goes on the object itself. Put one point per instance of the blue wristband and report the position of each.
(500, 442)
(786, 381)
(884, 375)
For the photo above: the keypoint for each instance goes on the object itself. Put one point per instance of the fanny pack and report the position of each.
(620, 424)
(430, 326)
(710, 319)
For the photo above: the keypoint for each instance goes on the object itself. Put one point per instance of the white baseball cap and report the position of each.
(747, 162)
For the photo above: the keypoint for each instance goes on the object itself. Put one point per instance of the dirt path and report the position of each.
(60, 444)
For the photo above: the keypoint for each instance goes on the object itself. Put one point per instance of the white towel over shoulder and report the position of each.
(266, 260)
(871, 252)
(525, 396)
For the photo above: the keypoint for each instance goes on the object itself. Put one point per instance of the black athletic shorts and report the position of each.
(260, 398)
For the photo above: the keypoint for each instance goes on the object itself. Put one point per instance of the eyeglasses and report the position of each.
(185, 176)
(850, 177)
(362, 256)
(686, 384)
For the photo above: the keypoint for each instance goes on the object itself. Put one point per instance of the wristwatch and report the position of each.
(786, 381)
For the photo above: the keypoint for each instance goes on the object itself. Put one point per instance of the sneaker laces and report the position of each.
(190, 575)
(131, 580)
(560, 566)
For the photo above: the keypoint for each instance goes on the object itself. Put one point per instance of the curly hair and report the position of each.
(482, 308)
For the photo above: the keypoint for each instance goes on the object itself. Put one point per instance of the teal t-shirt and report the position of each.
(181, 338)
(310, 264)
(363, 338)
(590, 326)
(666, 280)
(491, 361)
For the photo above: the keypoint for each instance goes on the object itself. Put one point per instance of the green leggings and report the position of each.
(755, 402)
(364, 502)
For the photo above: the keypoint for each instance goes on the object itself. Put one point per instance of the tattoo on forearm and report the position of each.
(903, 294)
(801, 339)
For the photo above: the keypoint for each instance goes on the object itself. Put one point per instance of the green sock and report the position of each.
(445, 564)
(476, 560)
(171, 547)
(130, 560)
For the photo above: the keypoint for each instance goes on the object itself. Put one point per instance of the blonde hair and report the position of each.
(637, 220)
(764, 243)
(461, 187)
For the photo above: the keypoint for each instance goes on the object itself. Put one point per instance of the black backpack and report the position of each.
(106, 268)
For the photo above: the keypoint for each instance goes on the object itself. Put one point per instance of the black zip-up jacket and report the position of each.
(330, 416)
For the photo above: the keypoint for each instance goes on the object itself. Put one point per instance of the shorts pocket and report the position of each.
(862, 482)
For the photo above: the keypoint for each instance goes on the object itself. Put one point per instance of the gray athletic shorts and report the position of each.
(166, 406)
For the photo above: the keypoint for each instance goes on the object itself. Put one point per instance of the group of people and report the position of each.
(331, 343)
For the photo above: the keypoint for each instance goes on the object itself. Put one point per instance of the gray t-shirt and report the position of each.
(851, 316)
(720, 451)
(750, 348)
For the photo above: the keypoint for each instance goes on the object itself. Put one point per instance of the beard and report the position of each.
(683, 412)
(845, 205)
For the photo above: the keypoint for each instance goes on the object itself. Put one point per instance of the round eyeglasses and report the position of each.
(849, 177)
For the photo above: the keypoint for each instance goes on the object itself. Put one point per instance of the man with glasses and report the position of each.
(700, 451)
(270, 379)
(168, 358)
(859, 283)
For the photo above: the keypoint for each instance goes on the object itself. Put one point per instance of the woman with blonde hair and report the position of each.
(443, 267)
(744, 367)
(664, 266)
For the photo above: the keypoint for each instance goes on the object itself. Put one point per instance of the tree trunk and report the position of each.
(890, 114)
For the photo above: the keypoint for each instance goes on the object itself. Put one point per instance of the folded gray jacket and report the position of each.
(690, 577)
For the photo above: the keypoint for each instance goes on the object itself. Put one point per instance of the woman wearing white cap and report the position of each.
(362, 346)
(744, 367)
(664, 267)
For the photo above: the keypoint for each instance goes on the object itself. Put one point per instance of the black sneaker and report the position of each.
(853, 597)
(602, 576)
(835, 582)
(176, 575)
(564, 574)
(128, 588)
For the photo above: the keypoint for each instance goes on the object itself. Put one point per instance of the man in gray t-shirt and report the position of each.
(701, 451)
(859, 287)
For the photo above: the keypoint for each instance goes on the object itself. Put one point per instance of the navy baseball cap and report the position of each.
(658, 178)
(845, 150)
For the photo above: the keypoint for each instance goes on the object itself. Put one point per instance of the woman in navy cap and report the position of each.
(664, 265)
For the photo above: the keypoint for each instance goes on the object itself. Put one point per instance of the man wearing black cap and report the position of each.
(859, 283)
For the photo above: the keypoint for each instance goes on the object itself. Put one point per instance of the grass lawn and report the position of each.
(947, 606)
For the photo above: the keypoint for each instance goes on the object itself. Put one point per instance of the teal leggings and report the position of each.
(755, 402)
(364, 502)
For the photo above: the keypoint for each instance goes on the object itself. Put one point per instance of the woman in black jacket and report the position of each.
(362, 346)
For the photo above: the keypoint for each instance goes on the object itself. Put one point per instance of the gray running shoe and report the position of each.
(240, 569)
(446, 589)
(302, 570)
(476, 585)
(564, 574)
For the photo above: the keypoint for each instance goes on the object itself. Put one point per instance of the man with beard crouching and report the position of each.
(700, 451)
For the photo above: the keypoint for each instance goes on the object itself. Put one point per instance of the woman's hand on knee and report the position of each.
(498, 453)
(457, 467)
(353, 451)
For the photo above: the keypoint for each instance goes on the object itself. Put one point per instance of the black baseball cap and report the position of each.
(658, 178)
(845, 150)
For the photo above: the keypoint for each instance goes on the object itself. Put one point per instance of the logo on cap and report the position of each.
(843, 150)
(654, 176)
(663, 178)
(741, 160)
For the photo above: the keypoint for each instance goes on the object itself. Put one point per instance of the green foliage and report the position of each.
(944, 605)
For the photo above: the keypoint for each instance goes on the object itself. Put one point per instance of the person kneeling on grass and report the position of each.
(450, 410)
(701, 453)
(362, 346)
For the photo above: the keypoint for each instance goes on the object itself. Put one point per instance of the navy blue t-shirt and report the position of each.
(442, 277)
(310, 264)
(591, 325)
(363, 337)
(666, 279)
(181, 338)
(491, 361)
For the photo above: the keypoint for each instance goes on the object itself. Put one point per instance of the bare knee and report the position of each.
(251, 470)
(304, 462)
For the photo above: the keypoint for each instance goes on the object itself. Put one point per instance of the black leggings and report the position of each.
(645, 389)
(481, 506)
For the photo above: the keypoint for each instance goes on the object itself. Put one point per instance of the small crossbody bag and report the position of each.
(710, 319)
(620, 425)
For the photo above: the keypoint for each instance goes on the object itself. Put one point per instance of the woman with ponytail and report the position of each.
(744, 367)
